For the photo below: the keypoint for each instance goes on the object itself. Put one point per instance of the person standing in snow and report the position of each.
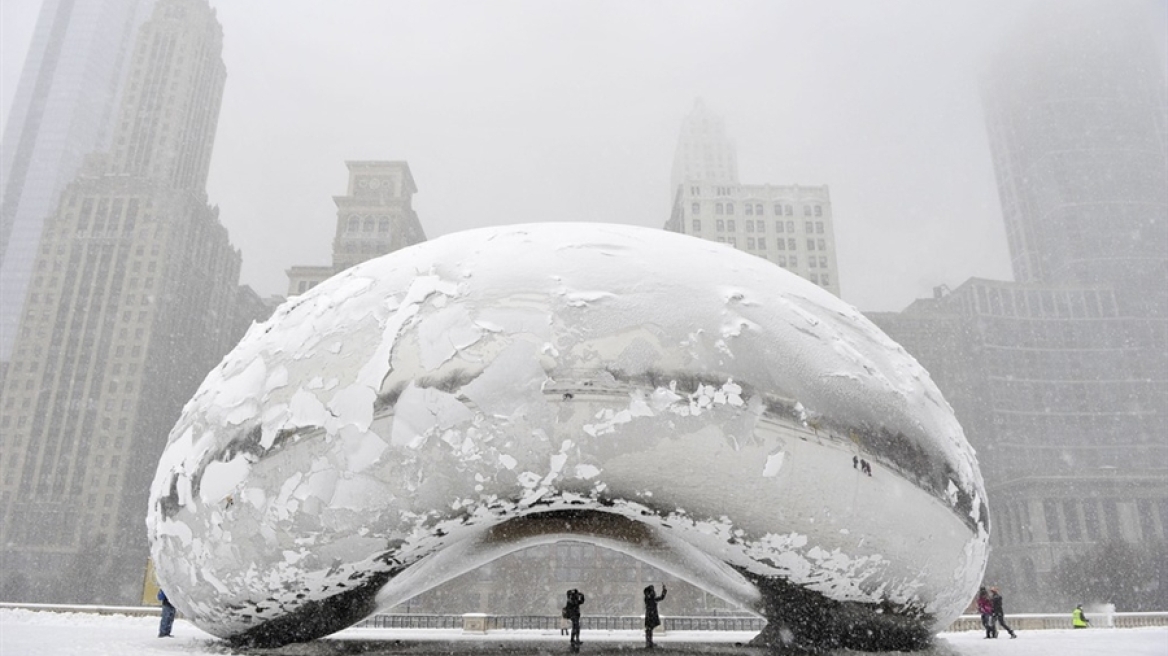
(572, 614)
(985, 608)
(1078, 619)
(999, 616)
(652, 619)
(167, 616)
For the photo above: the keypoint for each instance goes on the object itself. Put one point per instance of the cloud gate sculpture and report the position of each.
(693, 406)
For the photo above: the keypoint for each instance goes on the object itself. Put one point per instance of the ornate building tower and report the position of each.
(375, 217)
(133, 300)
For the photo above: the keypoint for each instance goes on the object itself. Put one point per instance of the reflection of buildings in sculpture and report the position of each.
(62, 111)
(1060, 379)
(134, 298)
(790, 225)
(375, 217)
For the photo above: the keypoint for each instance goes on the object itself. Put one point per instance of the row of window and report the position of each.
(1086, 520)
(357, 223)
(731, 225)
(756, 209)
(788, 244)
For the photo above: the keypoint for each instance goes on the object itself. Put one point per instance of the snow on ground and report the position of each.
(33, 633)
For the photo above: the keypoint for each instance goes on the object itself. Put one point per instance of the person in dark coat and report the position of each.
(167, 616)
(999, 616)
(572, 614)
(985, 608)
(652, 619)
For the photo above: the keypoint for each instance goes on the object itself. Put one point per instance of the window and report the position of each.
(370, 224)
(697, 225)
(729, 208)
(788, 210)
(1071, 515)
(354, 223)
(758, 209)
(721, 225)
(1050, 514)
(810, 244)
(819, 227)
(791, 244)
(806, 210)
(812, 263)
(794, 260)
(822, 244)
(783, 261)
(778, 226)
(696, 208)
(749, 210)
(749, 225)
(383, 224)
(814, 278)
(782, 244)
(790, 226)
(762, 244)
(750, 243)
(695, 191)
(823, 280)
(719, 208)
(808, 227)
(730, 227)
(778, 209)
(818, 211)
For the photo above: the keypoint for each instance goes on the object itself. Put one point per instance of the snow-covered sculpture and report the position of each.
(693, 406)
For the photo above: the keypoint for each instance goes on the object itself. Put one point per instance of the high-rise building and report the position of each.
(790, 225)
(1077, 118)
(375, 217)
(1061, 378)
(62, 111)
(134, 298)
(704, 151)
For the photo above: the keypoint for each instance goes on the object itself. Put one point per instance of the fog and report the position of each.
(529, 111)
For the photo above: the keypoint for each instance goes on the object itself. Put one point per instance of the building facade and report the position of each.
(1061, 378)
(134, 298)
(790, 225)
(375, 217)
(63, 110)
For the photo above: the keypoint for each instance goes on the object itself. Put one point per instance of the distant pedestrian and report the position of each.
(999, 616)
(167, 616)
(985, 608)
(865, 467)
(652, 619)
(855, 462)
(572, 614)
(1078, 619)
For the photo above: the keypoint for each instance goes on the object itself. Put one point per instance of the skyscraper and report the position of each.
(133, 299)
(790, 225)
(375, 217)
(1077, 117)
(1061, 378)
(62, 111)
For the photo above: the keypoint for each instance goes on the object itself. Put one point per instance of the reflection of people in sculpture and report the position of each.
(652, 619)
(572, 614)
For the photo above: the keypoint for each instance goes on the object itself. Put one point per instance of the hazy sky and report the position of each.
(512, 112)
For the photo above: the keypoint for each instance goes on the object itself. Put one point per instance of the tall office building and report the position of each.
(134, 298)
(1061, 378)
(62, 111)
(790, 225)
(1077, 114)
(375, 217)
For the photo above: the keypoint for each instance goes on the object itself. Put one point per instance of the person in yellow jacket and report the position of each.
(1078, 619)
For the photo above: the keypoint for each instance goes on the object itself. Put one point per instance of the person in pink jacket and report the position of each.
(985, 607)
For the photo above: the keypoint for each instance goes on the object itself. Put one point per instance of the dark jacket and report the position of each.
(996, 600)
(652, 619)
(572, 609)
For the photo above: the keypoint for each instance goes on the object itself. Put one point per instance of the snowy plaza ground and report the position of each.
(31, 633)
